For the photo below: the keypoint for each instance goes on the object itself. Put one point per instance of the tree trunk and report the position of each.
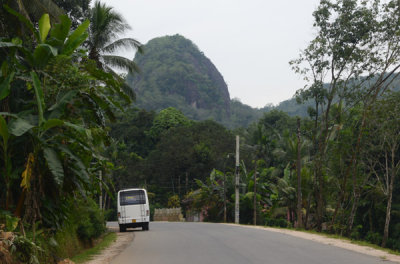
(389, 202)
(354, 207)
(320, 198)
(298, 168)
(387, 221)
(339, 201)
(307, 210)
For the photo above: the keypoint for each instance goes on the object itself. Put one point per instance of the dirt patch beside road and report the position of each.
(333, 242)
(105, 257)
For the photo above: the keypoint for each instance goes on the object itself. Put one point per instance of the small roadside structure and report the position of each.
(169, 214)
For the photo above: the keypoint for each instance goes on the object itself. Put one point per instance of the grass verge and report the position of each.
(334, 236)
(86, 255)
(353, 241)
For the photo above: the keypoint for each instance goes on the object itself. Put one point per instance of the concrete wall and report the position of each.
(168, 214)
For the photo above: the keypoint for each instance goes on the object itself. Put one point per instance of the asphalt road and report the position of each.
(203, 243)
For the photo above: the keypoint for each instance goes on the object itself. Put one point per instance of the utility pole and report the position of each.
(225, 196)
(237, 182)
(255, 195)
(298, 168)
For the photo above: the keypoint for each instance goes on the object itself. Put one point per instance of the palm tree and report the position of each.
(106, 25)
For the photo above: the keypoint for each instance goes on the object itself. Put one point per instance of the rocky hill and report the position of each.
(174, 72)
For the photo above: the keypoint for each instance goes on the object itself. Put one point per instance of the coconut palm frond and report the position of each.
(125, 43)
(120, 63)
(125, 86)
(106, 24)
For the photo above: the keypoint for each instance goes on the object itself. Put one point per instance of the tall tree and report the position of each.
(382, 154)
(106, 25)
(356, 53)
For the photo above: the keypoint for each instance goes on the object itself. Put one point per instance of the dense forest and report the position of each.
(71, 132)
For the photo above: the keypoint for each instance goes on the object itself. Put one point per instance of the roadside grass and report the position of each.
(87, 254)
(335, 236)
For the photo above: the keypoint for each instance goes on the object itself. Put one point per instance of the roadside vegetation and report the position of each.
(55, 103)
(88, 254)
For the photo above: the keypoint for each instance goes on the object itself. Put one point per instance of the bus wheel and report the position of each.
(122, 228)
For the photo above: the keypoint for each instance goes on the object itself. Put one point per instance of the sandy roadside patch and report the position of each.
(331, 241)
(105, 256)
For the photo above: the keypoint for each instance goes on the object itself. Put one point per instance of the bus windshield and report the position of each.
(132, 197)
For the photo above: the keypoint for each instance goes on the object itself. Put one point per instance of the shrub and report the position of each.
(89, 219)
(110, 214)
(280, 222)
(173, 201)
(374, 238)
(85, 222)
(356, 232)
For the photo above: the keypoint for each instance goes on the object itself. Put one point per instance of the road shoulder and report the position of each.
(330, 241)
(105, 256)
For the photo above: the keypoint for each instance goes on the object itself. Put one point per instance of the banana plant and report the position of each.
(64, 128)
(57, 147)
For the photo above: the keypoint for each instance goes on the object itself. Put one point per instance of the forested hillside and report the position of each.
(175, 73)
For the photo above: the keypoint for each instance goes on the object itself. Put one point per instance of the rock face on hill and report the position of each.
(174, 72)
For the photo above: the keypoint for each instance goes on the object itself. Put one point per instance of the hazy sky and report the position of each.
(250, 42)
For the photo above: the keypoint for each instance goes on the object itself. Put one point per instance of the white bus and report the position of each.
(133, 209)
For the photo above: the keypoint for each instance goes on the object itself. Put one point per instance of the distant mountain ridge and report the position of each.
(175, 73)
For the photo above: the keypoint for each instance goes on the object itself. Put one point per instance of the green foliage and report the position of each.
(374, 237)
(83, 223)
(67, 241)
(56, 103)
(88, 254)
(25, 250)
(105, 28)
(77, 10)
(279, 222)
(173, 201)
(90, 220)
(166, 119)
(10, 222)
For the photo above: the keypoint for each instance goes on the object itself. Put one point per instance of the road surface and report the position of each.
(206, 243)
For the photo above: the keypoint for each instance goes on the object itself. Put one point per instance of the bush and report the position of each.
(67, 241)
(110, 214)
(393, 244)
(356, 232)
(173, 201)
(280, 222)
(85, 222)
(90, 220)
(374, 238)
